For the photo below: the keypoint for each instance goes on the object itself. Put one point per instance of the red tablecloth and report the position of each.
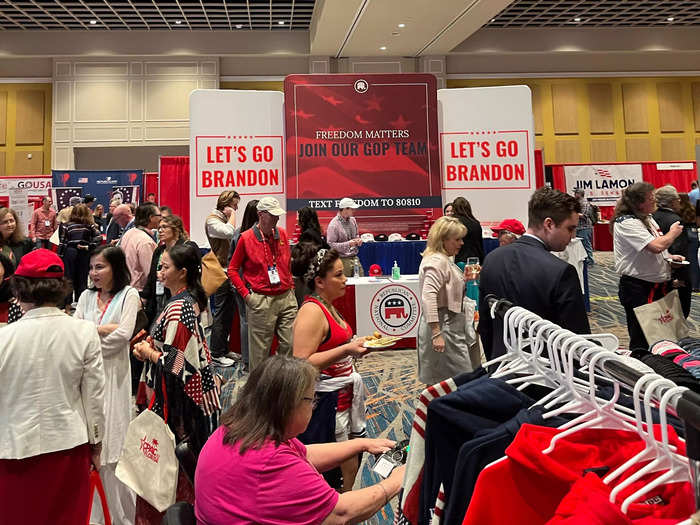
(602, 238)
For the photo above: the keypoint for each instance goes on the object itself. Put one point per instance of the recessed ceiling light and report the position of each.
(402, 25)
(281, 22)
(670, 19)
(493, 20)
(577, 19)
(178, 22)
(383, 48)
(93, 22)
(239, 26)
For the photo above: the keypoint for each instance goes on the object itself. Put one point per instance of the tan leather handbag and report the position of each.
(213, 275)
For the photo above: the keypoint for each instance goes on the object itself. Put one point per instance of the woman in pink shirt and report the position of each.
(253, 470)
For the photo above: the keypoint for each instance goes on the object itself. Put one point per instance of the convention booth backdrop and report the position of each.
(100, 184)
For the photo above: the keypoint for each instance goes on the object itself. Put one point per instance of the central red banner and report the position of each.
(370, 137)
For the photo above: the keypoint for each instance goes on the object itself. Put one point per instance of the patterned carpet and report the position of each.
(390, 376)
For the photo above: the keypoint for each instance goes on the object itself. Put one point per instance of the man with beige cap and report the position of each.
(343, 236)
(260, 271)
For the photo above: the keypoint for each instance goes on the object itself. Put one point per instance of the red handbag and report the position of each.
(96, 484)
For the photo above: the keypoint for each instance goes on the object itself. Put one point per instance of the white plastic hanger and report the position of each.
(653, 445)
(600, 416)
(649, 452)
(678, 468)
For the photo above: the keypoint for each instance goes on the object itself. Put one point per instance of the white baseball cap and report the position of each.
(347, 202)
(270, 205)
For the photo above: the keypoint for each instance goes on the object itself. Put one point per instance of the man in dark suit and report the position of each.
(525, 273)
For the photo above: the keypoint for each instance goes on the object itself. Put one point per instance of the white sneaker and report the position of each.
(223, 361)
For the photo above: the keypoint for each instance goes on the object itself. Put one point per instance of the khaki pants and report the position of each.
(269, 315)
(349, 266)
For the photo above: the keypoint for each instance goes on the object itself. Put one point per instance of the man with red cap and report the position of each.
(52, 404)
(508, 231)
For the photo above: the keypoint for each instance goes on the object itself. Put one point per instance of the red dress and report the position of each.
(337, 336)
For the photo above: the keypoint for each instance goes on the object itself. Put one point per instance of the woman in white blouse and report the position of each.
(443, 349)
(113, 305)
(641, 255)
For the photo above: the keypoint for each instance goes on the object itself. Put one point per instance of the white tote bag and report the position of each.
(663, 319)
(148, 464)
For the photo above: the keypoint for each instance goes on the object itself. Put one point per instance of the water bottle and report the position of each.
(356, 269)
(395, 272)
(473, 291)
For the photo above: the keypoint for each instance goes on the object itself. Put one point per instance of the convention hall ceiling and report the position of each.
(598, 13)
(268, 15)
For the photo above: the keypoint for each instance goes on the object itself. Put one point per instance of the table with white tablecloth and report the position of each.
(379, 304)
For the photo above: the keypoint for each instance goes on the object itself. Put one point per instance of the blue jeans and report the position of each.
(586, 236)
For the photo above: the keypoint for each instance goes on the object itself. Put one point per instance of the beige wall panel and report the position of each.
(600, 103)
(25, 166)
(696, 104)
(638, 149)
(568, 151)
(29, 128)
(208, 84)
(98, 101)
(136, 100)
(565, 108)
(634, 98)
(670, 106)
(61, 134)
(167, 133)
(95, 134)
(674, 149)
(62, 101)
(603, 151)
(62, 158)
(171, 68)
(377, 67)
(97, 69)
(3, 161)
(168, 99)
(3, 117)
(208, 68)
(537, 108)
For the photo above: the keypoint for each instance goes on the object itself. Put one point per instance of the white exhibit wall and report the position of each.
(487, 150)
(236, 143)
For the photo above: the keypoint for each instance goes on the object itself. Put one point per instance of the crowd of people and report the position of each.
(131, 282)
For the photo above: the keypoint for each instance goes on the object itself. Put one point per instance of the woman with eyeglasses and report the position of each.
(171, 232)
(253, 469)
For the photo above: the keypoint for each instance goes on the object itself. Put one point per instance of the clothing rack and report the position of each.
(686, 407)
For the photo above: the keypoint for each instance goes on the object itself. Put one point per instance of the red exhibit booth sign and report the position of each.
(370, 137)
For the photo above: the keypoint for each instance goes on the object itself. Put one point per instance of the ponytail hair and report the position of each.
(186, 256)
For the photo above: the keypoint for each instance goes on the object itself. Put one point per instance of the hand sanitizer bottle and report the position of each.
(395, 272)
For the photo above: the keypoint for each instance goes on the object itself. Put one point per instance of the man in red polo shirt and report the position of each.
(262, 257)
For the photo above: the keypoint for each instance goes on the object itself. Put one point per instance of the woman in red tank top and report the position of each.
(323, 337)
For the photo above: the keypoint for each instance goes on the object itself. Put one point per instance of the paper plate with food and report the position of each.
(377, 341)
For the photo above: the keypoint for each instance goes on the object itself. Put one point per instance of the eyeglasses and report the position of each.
(313, 400)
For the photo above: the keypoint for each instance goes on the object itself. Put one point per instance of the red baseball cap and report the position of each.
(512, 225)
(375, 270)
(40, 264)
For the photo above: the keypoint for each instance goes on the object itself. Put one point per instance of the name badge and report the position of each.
(273, 275)
(160, 288)
(47, 224)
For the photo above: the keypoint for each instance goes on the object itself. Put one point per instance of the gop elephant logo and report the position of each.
(395, 310)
